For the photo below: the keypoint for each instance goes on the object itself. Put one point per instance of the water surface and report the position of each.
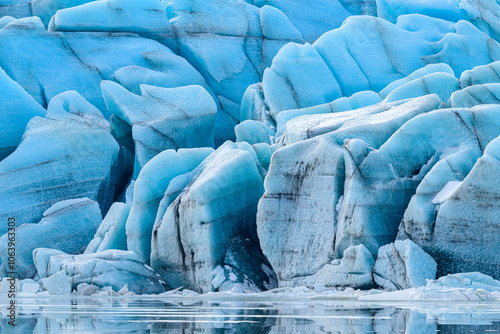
(205, 314)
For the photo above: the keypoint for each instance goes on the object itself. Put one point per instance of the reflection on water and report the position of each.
(228, 315)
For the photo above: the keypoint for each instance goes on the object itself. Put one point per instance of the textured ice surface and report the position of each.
(368, 53)
(163, 118)
(68, 154)
(112, 268)
(359, 153)
(403, 265)
(360, 189)
(16, 108)
(146, 17)
(210, 224)
(354, 270)
(476, 95)
(481, 75)
(373, 124)
(484, 14)
(111, 232)
(460, 232)
(150, 188)
(67, 226)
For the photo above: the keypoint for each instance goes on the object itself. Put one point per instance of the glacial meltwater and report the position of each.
(247, 314)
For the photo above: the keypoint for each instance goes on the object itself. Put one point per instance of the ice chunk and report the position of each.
(45, 9)
(422, 72)
(313, 18)
(458, 287)
(67, 226)
(356, 101)
(71, 61)
(481, 75)
(169, 71)
(41, 257)
(149, 189)
(113, 268)
(111, 233)
(446, 192)
(85, 289)
(6, 20)
(146, 17)
(276, 25)
(475, 95)
(29, 287)
(461, 236)
(253, 132)
(7, 284)
(17, 107)
(68, 154)
(57, 284)
(403, 265)
(360, 188)
(485, 14)
(360, 123)
(442, 84)
(212, 223)
(354, 270)
(163, 118)
(365, 53)
(290, 87)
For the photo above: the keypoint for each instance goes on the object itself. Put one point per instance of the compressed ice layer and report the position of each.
(67, 226)
(163, 118)
(461, 236)
(315, 174)
(68, 154)
(210, 223)
(150, 188)
(403, 265)
(112, 268)
(354, 270)
(361, 188)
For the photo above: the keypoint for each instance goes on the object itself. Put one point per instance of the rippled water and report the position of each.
(251, 315)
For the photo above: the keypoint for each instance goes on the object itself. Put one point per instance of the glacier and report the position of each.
(241, 146)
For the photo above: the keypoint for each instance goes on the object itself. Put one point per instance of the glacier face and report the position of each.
(232, 145)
